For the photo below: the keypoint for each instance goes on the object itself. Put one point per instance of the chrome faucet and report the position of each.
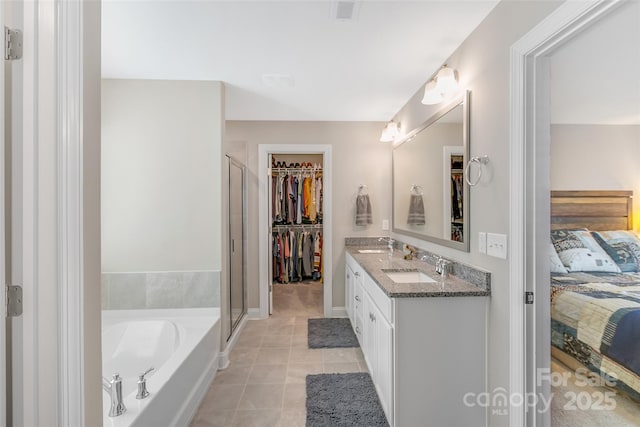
(442, 267)
(114, 388)
(142, 384)
(389, 241)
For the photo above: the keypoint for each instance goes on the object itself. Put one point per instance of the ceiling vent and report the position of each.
(344, 10)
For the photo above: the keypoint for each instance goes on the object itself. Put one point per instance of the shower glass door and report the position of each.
(237, 286)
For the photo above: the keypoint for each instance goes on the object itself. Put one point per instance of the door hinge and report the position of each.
(12, 44)
(528, 297)
(14, 301)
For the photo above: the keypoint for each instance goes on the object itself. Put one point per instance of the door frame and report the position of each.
(61, 213)
(529, 198)
(264, 242)
(3, 275)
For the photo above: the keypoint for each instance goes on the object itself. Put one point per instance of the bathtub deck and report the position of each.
(264, 384)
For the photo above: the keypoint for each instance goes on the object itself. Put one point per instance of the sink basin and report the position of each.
(372, 251)
(409, 277)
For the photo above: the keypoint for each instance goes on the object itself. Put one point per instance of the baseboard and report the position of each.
(339, 312)
(254, 314)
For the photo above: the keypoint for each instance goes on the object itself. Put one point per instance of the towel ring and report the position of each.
(481, 161)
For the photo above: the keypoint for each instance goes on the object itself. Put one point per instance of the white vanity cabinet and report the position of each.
(353, 296)
(378, 351)
(424, 354)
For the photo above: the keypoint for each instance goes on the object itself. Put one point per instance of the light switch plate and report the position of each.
(482, 242)
(385, 224)
(497, 245)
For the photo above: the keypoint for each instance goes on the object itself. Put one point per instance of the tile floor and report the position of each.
(264, 384)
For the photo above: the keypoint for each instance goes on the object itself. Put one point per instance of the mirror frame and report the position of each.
(465, 245)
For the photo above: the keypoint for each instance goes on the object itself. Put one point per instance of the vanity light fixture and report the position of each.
(443, 86)
(390, 132)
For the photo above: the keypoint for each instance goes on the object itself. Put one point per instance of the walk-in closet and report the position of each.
(296, 216)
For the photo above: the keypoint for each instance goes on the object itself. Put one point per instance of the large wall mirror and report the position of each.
(430, 193)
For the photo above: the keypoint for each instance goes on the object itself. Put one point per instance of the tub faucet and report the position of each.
(142, 384)
(114, 388)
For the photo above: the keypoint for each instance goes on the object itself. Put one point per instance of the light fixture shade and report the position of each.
(447, 83)
(432, 94)
(390, 132)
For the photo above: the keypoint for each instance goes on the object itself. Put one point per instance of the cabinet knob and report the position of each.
(357, 330)
(357, 298)
(357, 274)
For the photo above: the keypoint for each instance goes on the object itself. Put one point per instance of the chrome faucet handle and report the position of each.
(142, 384)
(114, 388)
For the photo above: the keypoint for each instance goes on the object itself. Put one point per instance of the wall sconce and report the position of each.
(390, 132)
(443, 86)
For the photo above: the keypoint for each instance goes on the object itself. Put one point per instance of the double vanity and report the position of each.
(423, 337)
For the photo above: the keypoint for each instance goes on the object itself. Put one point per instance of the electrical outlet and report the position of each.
(385, 224)
(497, 245)
(482, 242)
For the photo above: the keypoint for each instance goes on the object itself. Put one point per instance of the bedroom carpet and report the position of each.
(331, 333)
(348, 400)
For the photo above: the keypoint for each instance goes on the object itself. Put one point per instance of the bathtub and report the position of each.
(183, 346)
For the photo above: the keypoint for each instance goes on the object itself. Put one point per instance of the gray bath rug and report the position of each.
(331, 333)
(348, 400)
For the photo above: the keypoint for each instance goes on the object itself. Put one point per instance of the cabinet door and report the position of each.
(348, 297)
(384, 364)
(369, 336)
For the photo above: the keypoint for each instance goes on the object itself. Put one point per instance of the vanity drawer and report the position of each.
(380, 299)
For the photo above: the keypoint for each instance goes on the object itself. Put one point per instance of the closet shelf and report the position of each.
(295, 170)
(282, 226)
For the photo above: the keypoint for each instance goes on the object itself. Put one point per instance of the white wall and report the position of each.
(358, 158)
(161, 179)
(596, 157)
(482, 61)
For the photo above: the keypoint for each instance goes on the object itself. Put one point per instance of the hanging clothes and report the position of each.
(297, 192)
(297, 255)
(317, 256)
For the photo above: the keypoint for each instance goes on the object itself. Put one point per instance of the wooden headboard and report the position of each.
(595, 210)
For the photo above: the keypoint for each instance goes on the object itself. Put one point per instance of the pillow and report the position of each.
(554, 261)
(579, 251)
(622, 246)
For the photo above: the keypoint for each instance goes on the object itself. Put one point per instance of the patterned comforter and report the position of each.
(595, 317)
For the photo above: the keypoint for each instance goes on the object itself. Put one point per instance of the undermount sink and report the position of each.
(413, 276)
(372, 251)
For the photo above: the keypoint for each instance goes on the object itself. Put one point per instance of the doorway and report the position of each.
(530, 356)
(296, 217)
(272, 227)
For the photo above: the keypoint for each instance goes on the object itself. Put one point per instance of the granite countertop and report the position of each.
(375, 264)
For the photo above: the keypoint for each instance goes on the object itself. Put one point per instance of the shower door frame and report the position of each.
(232, 325)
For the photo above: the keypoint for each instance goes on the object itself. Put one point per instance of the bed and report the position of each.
(595, 303)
